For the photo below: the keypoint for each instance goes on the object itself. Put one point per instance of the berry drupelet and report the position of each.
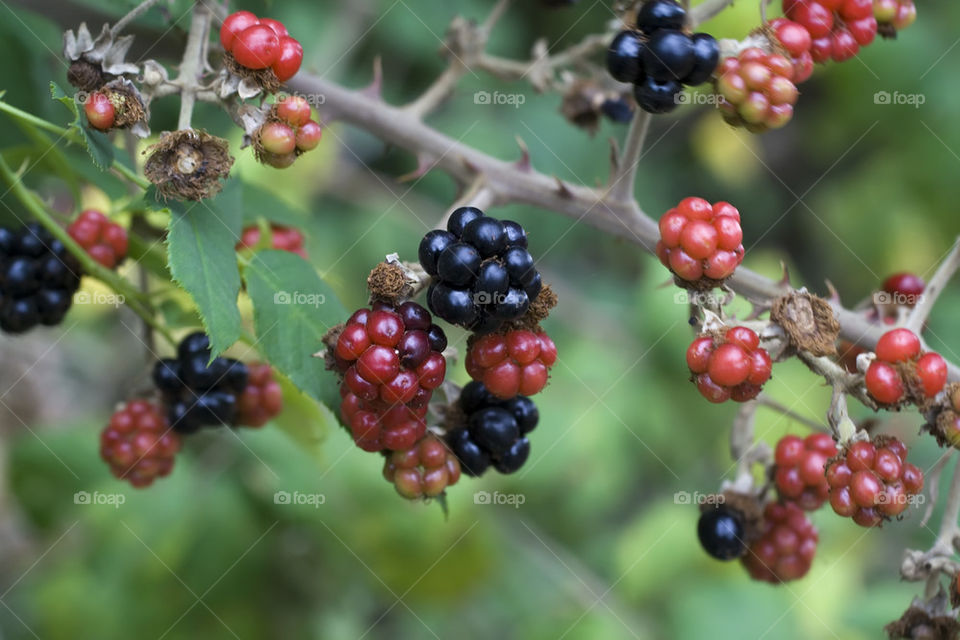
(495, 431)
(721, 530)
(38, 278)
(197, 394)
(483, 273)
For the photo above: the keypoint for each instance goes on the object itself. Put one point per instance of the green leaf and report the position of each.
(293, 309)
(200, 250)
(96, 143)
(303, 419)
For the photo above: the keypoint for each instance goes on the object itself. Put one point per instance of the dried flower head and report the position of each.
(94, 62)
(188, 164)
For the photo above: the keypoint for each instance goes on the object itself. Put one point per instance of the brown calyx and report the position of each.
(388, 282)
(266, 79)
(809, 322)
(188, 164)
(127, 106)
(538, 312)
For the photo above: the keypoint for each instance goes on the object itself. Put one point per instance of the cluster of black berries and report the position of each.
(38, 278)
(483, 272)
(197, 392)
(659, 58)
(495, 432)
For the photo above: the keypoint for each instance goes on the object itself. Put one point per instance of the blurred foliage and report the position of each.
(851, 190)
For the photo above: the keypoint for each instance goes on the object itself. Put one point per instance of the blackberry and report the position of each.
(197, 392)
(720, 530)
(494, 432)
(483, 273)
(38, 278)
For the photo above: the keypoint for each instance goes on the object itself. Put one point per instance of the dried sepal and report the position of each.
(188, 164)
(131, 109)
(104, 53)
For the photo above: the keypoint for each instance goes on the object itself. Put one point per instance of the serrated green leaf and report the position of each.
(200, 251)
(303, 419)
(293, 309)
(96, 143)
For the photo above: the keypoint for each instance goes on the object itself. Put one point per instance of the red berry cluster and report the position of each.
(281, 238)
(261, 43)
(795, 38)
(512, 364)
(262, 399)
(100, 111)
(837, 28)
(288, 133)
(756, 90)
(733, 367)
(105, 241)
(872, 481)
(701, 241)
(894, 15)
(901, 371)
(139, 444)
(798, 472)
(391, 361)
(786, 546)
(424, 470)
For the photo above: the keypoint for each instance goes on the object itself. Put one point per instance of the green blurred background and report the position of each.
(599, 548)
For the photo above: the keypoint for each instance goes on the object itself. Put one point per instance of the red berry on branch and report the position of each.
(701, 241)
(512, 364)
(904, 288)
(294, 110)
(234, 24)
(756, 90)
(139, 444)
(799, 466)
(308, 136)
(424, 470)
(281, 238)
(898, 345)
(256, 47)
(288, 60)
(105, 241)
(277, 138)
(786, 545)
(100, 112)
(262, 399)
(732, 367)
(276, 25)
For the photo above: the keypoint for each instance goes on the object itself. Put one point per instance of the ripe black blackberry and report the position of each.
(495, 431)
(721, 532)
(483, 272)
(38, 278)
(197, 394)
(660, 57)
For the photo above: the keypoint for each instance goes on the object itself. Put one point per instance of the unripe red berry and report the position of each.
(105, 241)
(276, 25)
(278, 138)
(308, 136)
(234, 24)
(256, 47)
(100, 112)
(288, 59)
(294, 110)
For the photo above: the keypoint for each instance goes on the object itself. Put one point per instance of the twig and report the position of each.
(706, 10)
(437, 92)
(934, 288)
(622, 181)
(508, 69)
(768, 402)
(192, 65)
(948, 523)
(134, 13)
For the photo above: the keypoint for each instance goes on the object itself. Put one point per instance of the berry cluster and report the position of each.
(872, 481)
(902, 372)
(511, 364)
(837, 28)
(391, 361)
(756, 90)
(105, 241)
(424, 470)
(786, 546)
(138, 443)
(261, 43)
(798, 471)
(721, 531)
(262, 399)
(893, 16)
(731, 367)
(483, 272)
(701, 243)
(659, 58)
(288, 133)
(495, 431)
(38, 278)
(281, 238)
(197, 392)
